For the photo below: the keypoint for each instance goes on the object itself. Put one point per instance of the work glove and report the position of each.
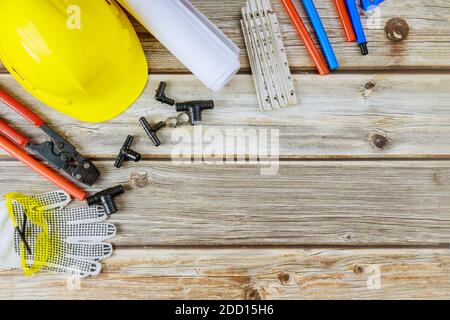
(38, 234)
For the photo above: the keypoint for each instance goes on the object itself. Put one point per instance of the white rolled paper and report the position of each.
(190, 37)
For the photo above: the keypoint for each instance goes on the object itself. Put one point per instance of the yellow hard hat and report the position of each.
(81, 57)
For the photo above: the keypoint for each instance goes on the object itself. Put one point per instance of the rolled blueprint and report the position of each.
(189, 36)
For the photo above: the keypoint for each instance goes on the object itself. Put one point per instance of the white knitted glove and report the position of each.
(69, 241)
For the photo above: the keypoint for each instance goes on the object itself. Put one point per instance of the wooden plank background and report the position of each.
(363, 182)
(306, 203)
(255, 273)
(337, 116)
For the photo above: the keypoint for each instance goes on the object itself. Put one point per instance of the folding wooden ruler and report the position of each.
(267, 55)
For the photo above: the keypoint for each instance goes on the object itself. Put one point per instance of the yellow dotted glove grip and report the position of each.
(32, 210)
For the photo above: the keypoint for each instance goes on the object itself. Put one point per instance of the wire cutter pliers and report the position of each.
(57, 152)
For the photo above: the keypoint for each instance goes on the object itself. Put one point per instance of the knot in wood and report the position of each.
(284, 278)
(380, 141)
(359, 270)
(254, 294)
(369, 87)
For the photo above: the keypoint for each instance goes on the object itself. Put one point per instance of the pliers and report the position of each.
(57, 152)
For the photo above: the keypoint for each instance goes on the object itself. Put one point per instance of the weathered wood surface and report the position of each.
(250, 274)
(399, 112)
(426, 47)
(337, 116)
(306, 203)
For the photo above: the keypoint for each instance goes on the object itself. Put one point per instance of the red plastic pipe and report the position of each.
(345, 20)
(43, 170)
(313, 52)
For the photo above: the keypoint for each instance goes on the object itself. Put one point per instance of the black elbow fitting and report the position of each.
(161, 95)
(194, 109)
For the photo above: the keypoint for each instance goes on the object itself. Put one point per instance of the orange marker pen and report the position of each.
(345, 20)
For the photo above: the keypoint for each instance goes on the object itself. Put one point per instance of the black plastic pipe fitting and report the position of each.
(106, 199)
(161, 95)
(194, 109)
(126, 153)
(152, 130)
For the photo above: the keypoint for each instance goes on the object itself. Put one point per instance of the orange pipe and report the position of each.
(313, 52)
(43, 170)
(345, 20)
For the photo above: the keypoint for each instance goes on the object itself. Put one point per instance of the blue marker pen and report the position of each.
(368, 4)
(321, 34)
(357, 26)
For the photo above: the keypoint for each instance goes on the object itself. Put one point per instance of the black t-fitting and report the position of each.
(127, 154)
(152, 130)
(194, 109)
(106, 199)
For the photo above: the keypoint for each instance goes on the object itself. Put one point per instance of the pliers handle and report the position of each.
(7, 130)
(41, 169)
(21, 109)
(13, 135)
(26, 113)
